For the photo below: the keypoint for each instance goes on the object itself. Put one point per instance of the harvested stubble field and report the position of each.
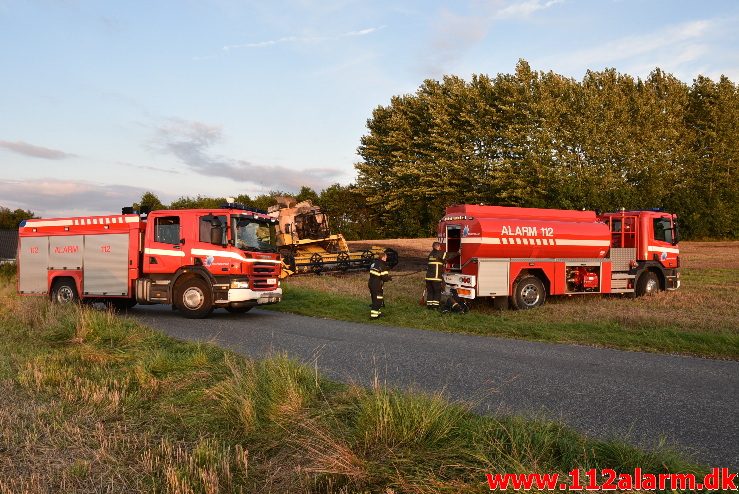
(702, 318)
(91, 402)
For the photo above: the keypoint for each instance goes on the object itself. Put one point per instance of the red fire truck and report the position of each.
(519, 256)
(194, 259)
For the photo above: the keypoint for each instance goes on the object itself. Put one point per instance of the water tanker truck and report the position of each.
(521, 256)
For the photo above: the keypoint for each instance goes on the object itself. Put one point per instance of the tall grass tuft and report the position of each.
(274, 393)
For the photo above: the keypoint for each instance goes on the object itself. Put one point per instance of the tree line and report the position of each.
(535, 139)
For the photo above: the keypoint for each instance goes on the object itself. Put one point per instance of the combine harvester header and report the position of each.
(308, 246)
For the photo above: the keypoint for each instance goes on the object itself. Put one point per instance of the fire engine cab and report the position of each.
(520, 256)
(194, 259)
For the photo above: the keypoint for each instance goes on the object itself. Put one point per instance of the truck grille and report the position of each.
(264, 268)
(262, 272)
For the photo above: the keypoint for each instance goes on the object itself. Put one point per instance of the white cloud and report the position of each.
(34, 151)
(454, 34)
(191, 142)
(151, 168)
(54, 198)
(304, 39)
(633, 46)
(524, 9)
(681, 49)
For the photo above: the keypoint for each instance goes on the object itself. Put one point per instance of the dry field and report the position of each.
(695, 255)
(707, 302)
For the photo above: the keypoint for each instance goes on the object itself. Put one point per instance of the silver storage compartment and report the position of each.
(106, 264)
(33, 262)
(65, 252)
(492, 277)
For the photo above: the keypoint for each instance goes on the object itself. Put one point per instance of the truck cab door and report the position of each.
(661, 245)
(163, 246)
(211, 247)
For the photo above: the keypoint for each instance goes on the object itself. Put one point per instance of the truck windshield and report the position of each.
(250, 234)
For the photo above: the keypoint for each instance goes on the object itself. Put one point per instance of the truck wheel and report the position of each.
(64, 292)
(194, 298)
(648, 284)
(529, 292)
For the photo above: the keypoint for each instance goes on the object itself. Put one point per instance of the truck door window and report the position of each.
(207, 223)
(662, 229)
(167, 230)
(615, 232)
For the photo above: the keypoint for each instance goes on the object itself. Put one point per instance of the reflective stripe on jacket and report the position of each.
(378, 273)
(436, 262)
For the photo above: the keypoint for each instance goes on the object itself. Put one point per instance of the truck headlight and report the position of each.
(239, 283)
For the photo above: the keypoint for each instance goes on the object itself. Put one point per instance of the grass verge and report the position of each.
(91, 402)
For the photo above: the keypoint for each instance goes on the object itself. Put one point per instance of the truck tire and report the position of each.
(648, 284)
(528, 293)
(64, 292)
(194, 298)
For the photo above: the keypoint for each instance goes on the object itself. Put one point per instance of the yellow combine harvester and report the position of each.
(308, 246)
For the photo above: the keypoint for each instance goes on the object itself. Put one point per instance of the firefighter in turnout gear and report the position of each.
(378, 276)
(434, 272)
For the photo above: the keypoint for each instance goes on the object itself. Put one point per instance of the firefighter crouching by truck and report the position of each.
(434, 273)
(378, 276)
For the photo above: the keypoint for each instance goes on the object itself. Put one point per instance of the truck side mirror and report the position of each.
(675, 231)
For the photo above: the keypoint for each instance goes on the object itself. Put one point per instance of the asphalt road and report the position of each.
(638, 397)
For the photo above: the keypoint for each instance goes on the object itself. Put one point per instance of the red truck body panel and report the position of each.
(495, 231)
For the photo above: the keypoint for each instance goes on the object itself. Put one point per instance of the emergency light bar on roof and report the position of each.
(243, 207)
(87, 220)
(257, 214)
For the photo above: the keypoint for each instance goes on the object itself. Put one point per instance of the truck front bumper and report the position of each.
(672, 279)
(260, 297)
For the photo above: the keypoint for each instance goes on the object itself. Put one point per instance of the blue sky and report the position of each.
(100, 101)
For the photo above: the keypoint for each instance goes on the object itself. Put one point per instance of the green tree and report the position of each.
(10, 219)
(543, 140)
(148, 200)
(307, 194)
(264, 201)
(348, 212)
(199, 202)
(708, 195)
